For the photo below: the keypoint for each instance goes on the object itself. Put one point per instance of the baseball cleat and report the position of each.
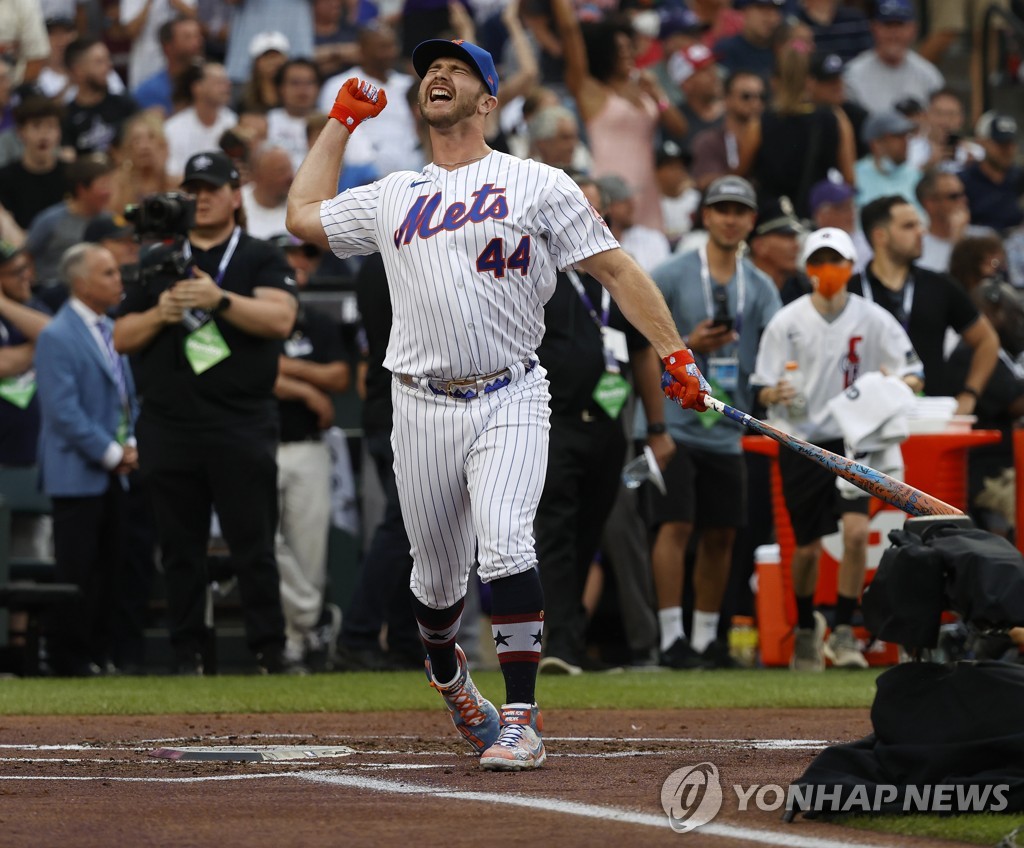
(808, 647)
(842, 649)
(519, 746)
(472, 714)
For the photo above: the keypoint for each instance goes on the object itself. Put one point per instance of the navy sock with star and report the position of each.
(517, 625)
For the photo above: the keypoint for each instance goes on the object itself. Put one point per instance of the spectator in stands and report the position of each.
(269, 51)
(680, 28)
(796, 144)
(292, 18)
(826, 88)
(114, 233)
(10, 145)
(390, 140)
(93, 119)
(941, 194)
(878, 79)
(215, 19)
(832, 205)
(751, 48)
(555, 139)
(264, 197)
(181, 40)
(87, 448)
(885, 170)
(208, 431)
(837, 28)
(648, 246)
(620, 107)
(53, 79)
(37, 180)
(775, 248)
(142, 20)
(994, 185)
(695, 74)
(205, 86)
(141, 162)
(721, 320)
(298, 84)
(23, 41)
(924, 302)
(312, 368)
(336, 35)
(716, 150)
(945, 121)
(22, 319)
(61, 226)
(680, 198)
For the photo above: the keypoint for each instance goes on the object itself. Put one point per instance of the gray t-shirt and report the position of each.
(680, 282)
(52, 232)
(878, 87)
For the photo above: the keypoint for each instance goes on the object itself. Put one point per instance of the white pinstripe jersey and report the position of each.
(471, 257)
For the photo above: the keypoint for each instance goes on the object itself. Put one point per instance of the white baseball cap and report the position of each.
(832, 237)
(264, 42)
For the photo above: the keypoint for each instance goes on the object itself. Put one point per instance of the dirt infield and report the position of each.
(90, 781)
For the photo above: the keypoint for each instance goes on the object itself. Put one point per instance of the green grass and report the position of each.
(409, 691)
(977, 828)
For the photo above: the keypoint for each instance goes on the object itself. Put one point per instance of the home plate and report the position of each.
(254, 753)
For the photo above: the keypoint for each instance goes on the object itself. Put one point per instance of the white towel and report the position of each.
(872, 413)
(888, 460)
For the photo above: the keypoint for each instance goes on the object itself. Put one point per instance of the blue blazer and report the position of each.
(80, 407)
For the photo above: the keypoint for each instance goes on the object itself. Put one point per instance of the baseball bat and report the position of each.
(894, 492)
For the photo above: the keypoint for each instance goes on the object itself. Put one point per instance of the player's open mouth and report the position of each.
(440, 94)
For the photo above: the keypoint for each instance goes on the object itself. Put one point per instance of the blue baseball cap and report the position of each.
(427, 52)
(894, 11)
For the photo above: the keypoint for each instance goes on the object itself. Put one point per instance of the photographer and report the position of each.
(205, 355)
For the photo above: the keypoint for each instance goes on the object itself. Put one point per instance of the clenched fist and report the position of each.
(683, 381)
(358, 101)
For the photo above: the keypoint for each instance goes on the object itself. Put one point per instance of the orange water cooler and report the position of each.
(935, 463)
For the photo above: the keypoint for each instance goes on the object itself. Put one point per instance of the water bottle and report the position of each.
(743, 641)
(797, 408)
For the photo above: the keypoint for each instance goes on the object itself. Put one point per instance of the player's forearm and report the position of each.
(316, 181)
(290, 388)
(638, 298)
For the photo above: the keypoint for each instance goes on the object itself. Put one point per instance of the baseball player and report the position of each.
(834, 337)
(471, 245)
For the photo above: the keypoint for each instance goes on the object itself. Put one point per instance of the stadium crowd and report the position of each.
(714, 137)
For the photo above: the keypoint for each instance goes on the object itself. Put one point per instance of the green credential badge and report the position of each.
(205, 347)
(19, 390)
(611, 393)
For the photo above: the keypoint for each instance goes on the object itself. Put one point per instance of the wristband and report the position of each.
(657, 429)
(967, 390)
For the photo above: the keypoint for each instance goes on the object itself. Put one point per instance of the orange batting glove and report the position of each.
(687, 385)
(358, 101)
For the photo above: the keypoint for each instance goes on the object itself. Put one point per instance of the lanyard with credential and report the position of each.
(741, 287)
(908, 298)
(186, 251)
(606, 300)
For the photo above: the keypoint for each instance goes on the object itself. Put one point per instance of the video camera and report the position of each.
(164, 220)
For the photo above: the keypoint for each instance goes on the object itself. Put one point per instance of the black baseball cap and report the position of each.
(426, 52)
(213, 167)
(997, 127)
(672, 152)
(826, 66)
(777, 216)
(107, 226)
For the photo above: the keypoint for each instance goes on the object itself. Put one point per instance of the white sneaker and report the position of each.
(808, 648)
(556, 665)
(843, 650)
(519, 746)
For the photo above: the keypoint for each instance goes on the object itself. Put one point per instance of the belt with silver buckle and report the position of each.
(468, 388)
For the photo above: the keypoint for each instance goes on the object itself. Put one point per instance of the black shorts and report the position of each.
(812, 499)
(704, 489)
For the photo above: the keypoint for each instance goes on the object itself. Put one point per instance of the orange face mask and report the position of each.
(832, 279)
